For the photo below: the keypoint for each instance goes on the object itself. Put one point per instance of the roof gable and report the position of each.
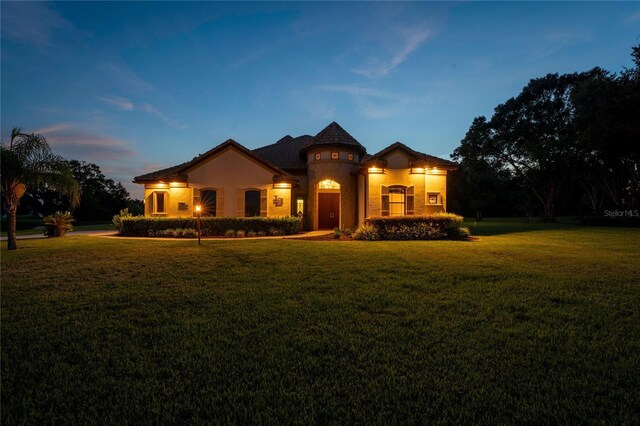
(180, 172)
(415, 157)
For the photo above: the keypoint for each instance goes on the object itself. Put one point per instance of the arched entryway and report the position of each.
(328, 204)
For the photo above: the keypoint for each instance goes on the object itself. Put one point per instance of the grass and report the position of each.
(532, 324)
(40, 229)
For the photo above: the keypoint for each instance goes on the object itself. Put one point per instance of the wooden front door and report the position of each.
(328, 210)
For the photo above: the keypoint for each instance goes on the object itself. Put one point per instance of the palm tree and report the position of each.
(28, 161)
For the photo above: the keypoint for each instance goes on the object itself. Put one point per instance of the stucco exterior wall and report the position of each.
(234, 173)
(342, 171)
(175, 196)
(397, 173)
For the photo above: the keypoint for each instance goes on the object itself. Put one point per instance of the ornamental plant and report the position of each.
(58, 224)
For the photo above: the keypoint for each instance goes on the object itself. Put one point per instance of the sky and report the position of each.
(138, 86)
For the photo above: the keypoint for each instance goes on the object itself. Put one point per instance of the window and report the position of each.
(317, 155)
(433, 198)
(396, 200)
(251, 203)
(350, 156)
(335, 156)
(208, 201)
(159, 202)
(300, 207)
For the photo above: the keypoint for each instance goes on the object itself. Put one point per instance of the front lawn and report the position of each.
(531, 324)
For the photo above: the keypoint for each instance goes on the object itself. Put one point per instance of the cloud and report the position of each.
(122, 103)
(633, 17)
(409, 41)
(74, 143)
(152, 111)
(126, 105)
(31, 22)
(375, 103)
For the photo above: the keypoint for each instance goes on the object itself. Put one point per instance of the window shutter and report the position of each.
(220, 202)
(410, 201)
(240, 203)
(263, 203)
(384, 208)
(149, 205)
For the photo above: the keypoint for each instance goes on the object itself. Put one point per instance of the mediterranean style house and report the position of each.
(328, 180)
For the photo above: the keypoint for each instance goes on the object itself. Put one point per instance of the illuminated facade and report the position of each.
(328, 180)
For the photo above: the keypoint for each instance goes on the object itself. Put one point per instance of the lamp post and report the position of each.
(198, 210)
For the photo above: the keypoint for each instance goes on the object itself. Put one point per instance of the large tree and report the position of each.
(26, 161)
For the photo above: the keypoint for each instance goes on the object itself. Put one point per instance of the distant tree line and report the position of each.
(100, 198)
(568, 144)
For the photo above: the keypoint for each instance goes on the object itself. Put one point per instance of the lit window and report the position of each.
(328, 184)
(335, 156)
(317, 155)
(396, 201)
(159, 202)
(433, 198)
(300, 207)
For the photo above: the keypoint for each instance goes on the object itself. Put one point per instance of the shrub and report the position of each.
(140, 226)
(261, 234)
(276, 232)
(117, 219)
(251, 234)
(58, 224)
(240, 233)
(366, 233)
(425, 227)
(337, 233)
(230, 233)
(347, 232)
(175, 233)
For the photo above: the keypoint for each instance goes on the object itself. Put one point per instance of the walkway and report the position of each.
(112, 234)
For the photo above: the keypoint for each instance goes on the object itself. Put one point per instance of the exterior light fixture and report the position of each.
(198, 211)
(376, 170)
(282, 185)
(416, 171)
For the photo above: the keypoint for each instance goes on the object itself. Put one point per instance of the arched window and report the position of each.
(208, 201)
(251, 203)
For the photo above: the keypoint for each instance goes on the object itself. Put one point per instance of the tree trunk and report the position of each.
(11, 226)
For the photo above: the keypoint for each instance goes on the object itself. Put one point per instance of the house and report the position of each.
(328, 179)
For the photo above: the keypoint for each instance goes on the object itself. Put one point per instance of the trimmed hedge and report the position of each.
(436, 226)
(140, 226)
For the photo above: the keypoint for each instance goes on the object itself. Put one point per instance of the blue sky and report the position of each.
(135, 87)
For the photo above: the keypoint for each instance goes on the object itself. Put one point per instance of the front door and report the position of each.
(328, 210)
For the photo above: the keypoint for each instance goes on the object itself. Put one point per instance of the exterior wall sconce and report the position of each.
(417, 171)
(376, 170)
(282, 185)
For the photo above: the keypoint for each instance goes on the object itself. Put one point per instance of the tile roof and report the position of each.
(286, 152)
(334, 134)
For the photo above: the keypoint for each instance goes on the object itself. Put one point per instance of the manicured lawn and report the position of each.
(531, 324)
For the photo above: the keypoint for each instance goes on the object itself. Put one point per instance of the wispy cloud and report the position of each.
(409, 41)
(122, 103)
(127, 105)
(152, 111)
(375, 103)
(634, 17)
(31, 22)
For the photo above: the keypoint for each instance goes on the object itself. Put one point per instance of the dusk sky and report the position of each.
(135, 87)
